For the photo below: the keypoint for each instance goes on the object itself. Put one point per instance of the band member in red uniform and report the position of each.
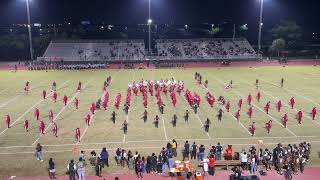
(93, 108)
(76, 103)
(285, 120)
(8, 120)
(105, 103)
(300, 114)
(118, 101)
(65, 99)
(37, 113)
(55, 129)
(238, 114)
(88, 119)
(253, 128)
(269, 126)
(292, 102)
(44, 94)
(240, 104)
(249, 99)
(250, 111)
(279, 105)
(267, 107)
(26, 125)
(228, 106)
(55, 96)
(77, 135)
(51, 115)
(314, 113)
(42, 127)
(258, 96)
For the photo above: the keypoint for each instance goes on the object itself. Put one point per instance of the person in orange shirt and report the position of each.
(229, 152)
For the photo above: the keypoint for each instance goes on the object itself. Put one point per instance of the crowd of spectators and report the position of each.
(287, 160)
(204, 48)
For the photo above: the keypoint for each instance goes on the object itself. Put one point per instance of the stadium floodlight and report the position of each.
(260, 25)
(29, 29)
(149, 21)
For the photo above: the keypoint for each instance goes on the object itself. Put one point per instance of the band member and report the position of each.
(279, 105)
(257, 83)
(250, 111)
(174, 120)
(54, 86)
(118, 101)
(206, 83)
(51, 115)
(105, 103)
(186, 116)
(126, 108)
(285, 120)
(228, 106)
(269, 126)
(8, 120)
(93, 108)
(161, 108)
(267, 107)
(258, 96)
(125, 127)
(37, 113)
(88, 119)
(113, 117)
(76, 103)
(249, 99)
(65, 99)
(220, 113)
(79, 86)
(55, 96)
(195, 108)
(44, 94)
(240, 104)
(207, 125)
(55, 130)
(282, 82)
(26, 88)
(42, 127)
(253, 128)
(314, 113)
(156, 121)
(300, 114)
(292, 102)
(77, 135)
(238, 114)
(26, 125)
(145, 116)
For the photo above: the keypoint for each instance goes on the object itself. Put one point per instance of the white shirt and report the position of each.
(244, 157)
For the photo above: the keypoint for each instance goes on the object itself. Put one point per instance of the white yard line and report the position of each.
(275, 119)
(150, 147)
(285, 104)
(160, 140)
(293, 92)
(26, 112)
(60, 112)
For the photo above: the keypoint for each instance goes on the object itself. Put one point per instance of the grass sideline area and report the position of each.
(17, 146)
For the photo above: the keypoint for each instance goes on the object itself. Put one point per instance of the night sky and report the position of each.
(305, 12)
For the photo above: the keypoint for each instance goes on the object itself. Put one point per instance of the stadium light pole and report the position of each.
(149, 24)
(260, 25)
(29, 30)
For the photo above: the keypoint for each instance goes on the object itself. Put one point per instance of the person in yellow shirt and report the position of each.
(174, 147)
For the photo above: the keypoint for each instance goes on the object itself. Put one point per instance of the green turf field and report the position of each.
(17, 145)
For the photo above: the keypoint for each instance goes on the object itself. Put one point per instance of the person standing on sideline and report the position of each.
(71, 170)
(186, 150)
(104, 156)
(194, 148)
(212, 163)
(139, 163)
(219, 151)
(81, 169)
(174, 147)
(39, 152)
(52, 170)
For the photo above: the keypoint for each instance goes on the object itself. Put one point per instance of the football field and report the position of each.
(17, 146)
